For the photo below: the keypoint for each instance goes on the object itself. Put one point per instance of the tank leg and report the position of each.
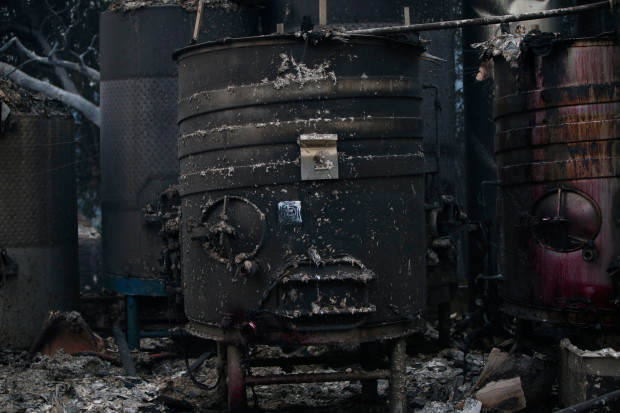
(133, 323)
(235, 380)
(369, 361)
(524, 334)
(221, 367)
(398, 382)
(443, 315)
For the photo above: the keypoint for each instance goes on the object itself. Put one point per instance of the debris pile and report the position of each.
(130, 5)
(68, 332)
(162, 379)
(15, 99)
(66, 383)
(511, 46)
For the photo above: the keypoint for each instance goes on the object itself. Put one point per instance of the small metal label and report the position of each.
(319, 156)
(289, 212)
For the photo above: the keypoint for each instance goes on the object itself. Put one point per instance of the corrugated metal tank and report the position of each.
(302, 189)
(479, 128)
(439, 106)
(38, 225)
(138, 130)
(139, 89)
(478, 103)
(557, 149)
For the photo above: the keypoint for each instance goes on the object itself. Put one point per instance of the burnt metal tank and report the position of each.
(287, 16)
(138, 131)
(438, 112)
(38, 223)
(302, 190)
(139, 88)
(557, 150)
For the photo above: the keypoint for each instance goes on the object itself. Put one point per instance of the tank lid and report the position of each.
(316, 38)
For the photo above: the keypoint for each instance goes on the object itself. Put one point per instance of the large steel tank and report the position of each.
(139, 88)
(557, 133)
(38, 221)
(481, 167)
(302, 191)
(438, 108)
(138, 132)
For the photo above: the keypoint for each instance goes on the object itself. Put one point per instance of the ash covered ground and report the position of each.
(436, 381)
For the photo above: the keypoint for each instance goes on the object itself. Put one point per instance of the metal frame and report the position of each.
(237, 380)
(131, 288)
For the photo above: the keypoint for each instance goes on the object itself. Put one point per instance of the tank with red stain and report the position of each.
(557, 147)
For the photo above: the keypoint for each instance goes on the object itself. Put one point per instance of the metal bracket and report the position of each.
(319, 156)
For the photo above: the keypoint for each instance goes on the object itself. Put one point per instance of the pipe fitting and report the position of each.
(589, 252)
(249, 330)
(248, 268)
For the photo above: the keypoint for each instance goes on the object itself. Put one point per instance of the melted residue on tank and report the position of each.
(292, 72)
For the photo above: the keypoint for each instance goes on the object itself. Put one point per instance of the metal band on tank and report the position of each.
(344, 88)
(282, 132)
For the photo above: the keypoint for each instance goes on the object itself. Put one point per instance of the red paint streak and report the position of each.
(562, 276)
(574, 141)
(593, 64)
(538, 66)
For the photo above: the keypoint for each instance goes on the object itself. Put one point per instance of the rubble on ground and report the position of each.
(437, 380)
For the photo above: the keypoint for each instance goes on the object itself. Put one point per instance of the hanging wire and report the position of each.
(203, 386)
(34, 145)
(52, 169)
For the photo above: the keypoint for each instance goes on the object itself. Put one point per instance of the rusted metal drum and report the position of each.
(287, 16)
(557, 149)
(139, 132)
(38, 225)
(302, 190)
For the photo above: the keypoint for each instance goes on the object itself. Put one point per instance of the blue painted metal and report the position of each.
(133, 322)
(132, 288)
(135, 286)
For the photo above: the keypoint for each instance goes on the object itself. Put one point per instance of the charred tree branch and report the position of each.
(52, 61)
(61, 72)
(81, 57)
(87, 108)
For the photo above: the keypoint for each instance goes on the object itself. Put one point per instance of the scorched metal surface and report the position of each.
(38, 225)
(139, 88)
(138, 131)
(288, 15)
(302, 190)
(557, 133)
